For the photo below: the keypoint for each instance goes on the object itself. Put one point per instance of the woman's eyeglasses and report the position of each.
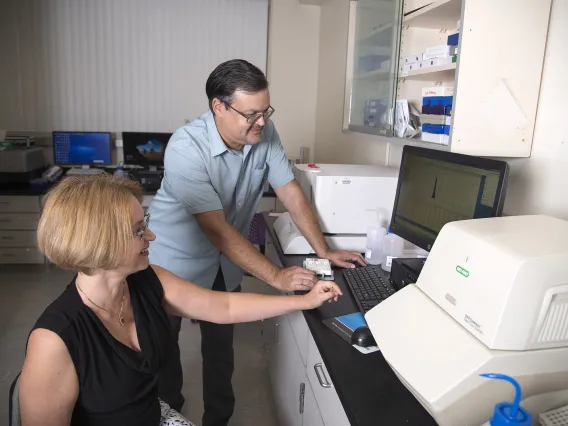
(143, 227)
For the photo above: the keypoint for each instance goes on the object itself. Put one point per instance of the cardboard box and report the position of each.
(437, 109)
(412, 59)
(445, 52)
(435, 62)
(437, 129)
(437, 91)
(432, 138)
(435, 119)
(453, 39)
(437, 100)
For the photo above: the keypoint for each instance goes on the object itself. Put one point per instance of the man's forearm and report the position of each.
(295, 202)
(306, 221)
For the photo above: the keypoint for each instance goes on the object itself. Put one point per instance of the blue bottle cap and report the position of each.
(507, 413)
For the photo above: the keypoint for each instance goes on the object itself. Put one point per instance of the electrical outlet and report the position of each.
(118, 143)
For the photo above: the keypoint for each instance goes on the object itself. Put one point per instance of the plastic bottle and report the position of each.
(509, 413)
(374, 246)
(119, 172)
(393, 246)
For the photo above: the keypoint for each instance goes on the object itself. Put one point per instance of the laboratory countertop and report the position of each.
(25, 189)
(369, 390)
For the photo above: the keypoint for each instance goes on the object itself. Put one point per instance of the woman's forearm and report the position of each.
(245, 307)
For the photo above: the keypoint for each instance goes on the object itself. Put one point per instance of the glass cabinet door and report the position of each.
(372, 63)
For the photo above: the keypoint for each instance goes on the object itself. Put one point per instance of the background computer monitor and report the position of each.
(81, 148)
(437, 187)
(144, 149)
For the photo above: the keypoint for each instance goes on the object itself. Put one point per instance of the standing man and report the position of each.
(215, 169)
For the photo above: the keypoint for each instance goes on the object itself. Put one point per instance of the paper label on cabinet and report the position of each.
(404, 73)
(368, 253)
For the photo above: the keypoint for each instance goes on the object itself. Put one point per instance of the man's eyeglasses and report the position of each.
(142, 229)
(253, 118)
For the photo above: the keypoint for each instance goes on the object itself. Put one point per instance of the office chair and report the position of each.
(14, 403)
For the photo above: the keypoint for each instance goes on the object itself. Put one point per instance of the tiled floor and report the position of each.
(25, 292)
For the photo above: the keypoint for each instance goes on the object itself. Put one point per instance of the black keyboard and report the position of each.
(368, 286)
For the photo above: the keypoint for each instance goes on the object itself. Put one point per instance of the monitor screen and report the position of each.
(144, 149)
(437, 187)
(84, 148)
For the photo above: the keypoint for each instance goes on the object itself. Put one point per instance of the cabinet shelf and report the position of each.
(442, 14)
(439, 72)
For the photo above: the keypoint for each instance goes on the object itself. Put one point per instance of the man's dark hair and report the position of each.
(233, 75)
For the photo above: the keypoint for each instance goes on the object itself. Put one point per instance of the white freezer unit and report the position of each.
(343, 195)
(492, 298)
(345, 199)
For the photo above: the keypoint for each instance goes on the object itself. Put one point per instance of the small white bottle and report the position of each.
(393, 246)
(374, 247)
(119, 172)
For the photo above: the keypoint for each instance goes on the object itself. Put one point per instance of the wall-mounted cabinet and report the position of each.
(495, 71)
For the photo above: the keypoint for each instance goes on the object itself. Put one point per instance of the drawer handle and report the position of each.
(8, 255)
(5, 220)
(321, 375)
(7, 238)
(5, 203)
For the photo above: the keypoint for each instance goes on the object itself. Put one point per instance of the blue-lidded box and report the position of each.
(437, 100)
(437, 109)
(453, 39)
(437, 129)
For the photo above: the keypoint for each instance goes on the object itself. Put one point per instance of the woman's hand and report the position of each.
(323, 291)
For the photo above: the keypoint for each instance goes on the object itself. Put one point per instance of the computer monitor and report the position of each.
(81, 148)
(145, 149)
(437, 187)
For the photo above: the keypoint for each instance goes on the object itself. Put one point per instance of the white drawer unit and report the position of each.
(19, 221)
(19, 216)
(18, 239)
(301, 333)
(14, 255)
(324, 391)
(19, 204)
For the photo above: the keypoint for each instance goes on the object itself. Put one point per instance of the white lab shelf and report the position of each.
(440, 72)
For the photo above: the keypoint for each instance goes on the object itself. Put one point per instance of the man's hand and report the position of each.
(295, 278)
(342, 258)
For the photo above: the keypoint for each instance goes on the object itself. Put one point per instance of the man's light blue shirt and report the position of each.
(201, 174)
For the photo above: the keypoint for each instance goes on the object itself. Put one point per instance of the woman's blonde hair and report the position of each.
(86, 224)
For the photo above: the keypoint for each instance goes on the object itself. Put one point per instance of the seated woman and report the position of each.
(94, 355)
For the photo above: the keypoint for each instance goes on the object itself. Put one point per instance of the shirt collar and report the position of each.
(218, 147)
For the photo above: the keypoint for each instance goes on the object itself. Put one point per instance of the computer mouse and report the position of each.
(363, 337)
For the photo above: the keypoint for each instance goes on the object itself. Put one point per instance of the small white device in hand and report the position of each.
(322, 268)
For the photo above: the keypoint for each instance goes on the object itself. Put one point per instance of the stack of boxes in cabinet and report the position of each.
(433, 56)
(436, 115)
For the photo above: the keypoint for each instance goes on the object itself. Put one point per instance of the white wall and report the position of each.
(332, 144)
(539, 184)
(119, 65)
(293, 44)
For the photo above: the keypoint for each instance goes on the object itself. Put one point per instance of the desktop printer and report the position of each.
(346, 199)
(492, 297)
